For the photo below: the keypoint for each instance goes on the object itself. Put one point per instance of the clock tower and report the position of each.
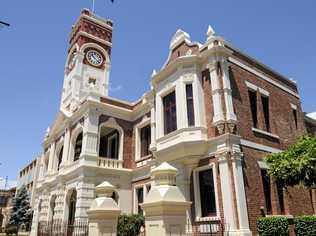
(88, 62)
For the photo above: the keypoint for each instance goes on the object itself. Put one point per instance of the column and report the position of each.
(67, 141)
(59, 207)
(242, 209)
(85, 196)
(235, 224)
(153, 125)
(184, 182)
(230, 114)
(90, 136)
(216, 95)
(227, 191)
(51, 158)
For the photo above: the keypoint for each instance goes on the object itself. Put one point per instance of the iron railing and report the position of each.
(60, 228)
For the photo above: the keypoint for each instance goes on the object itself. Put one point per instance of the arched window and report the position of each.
(60, 158)
(78, 147)
(72, 207)
(109, 143)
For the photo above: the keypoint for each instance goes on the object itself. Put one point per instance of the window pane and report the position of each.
(295, 117)
(140, 199)
(78, 147)
(145, 136)
(170, 113)
(190, 105)
(265, 106)
(253, 107)
(266, 189)
(207, 193)
(60, 157)
(280, 197)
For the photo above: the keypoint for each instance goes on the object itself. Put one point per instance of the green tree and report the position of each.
(21, 214)
(295, 165)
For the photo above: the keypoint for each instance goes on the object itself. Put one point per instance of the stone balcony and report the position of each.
(104, 162)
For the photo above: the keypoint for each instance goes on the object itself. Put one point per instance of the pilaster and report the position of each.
(66, 147)
(230, 114)
(218, 118)
(51, 158)
(90, 136)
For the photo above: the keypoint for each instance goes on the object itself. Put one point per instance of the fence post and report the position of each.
(165, 206)
(104, 212)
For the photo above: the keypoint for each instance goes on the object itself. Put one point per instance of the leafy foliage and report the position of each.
(273, 226)
(295, 165)
(305, 225)
(21, 215)
(129, 225)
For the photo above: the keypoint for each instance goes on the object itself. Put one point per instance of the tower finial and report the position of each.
(210, 32)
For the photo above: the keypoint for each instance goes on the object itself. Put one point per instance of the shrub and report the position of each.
(305, 225)
(11, 229)
(273, 226)
(129, 225)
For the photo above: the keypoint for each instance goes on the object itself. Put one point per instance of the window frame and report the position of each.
(145, 121)
(172, 129)
(190, 101)
(197, 197)
(266, 112)
(115, 136)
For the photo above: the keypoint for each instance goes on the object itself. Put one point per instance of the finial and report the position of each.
(164, 174)
(105, 189)
(153, 73)
(210, 32)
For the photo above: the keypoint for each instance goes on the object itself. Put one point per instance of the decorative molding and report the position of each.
(259, 146)
(265, 133)
(256, 88)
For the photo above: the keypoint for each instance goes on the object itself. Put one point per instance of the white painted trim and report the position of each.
(255, 88)
(263, 165)
(109, 149)
(262, 76)
(265, 133)
(197, 197)
(293, 106)
(135, 200)
(111, 123)
(259, 146)
(145, 121)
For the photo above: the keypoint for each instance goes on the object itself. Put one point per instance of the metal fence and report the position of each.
(206, 228)
(60, 228)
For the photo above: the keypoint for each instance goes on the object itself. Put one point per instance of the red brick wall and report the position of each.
(281, 117)
(297, 200)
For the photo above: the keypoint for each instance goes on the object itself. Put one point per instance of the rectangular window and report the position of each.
(295, 117)
(265, 106)
(253, 107)
(140, 199)
(280, 197)
(112, 146)
(266, 190)
(190, 105)
(170, 113)
(145, 140)
(207, 193)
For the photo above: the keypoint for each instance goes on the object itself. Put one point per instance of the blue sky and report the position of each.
(281, 34)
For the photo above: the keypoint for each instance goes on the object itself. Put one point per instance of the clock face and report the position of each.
(94, 58)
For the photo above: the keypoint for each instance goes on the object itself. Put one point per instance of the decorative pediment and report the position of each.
(178, 38)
